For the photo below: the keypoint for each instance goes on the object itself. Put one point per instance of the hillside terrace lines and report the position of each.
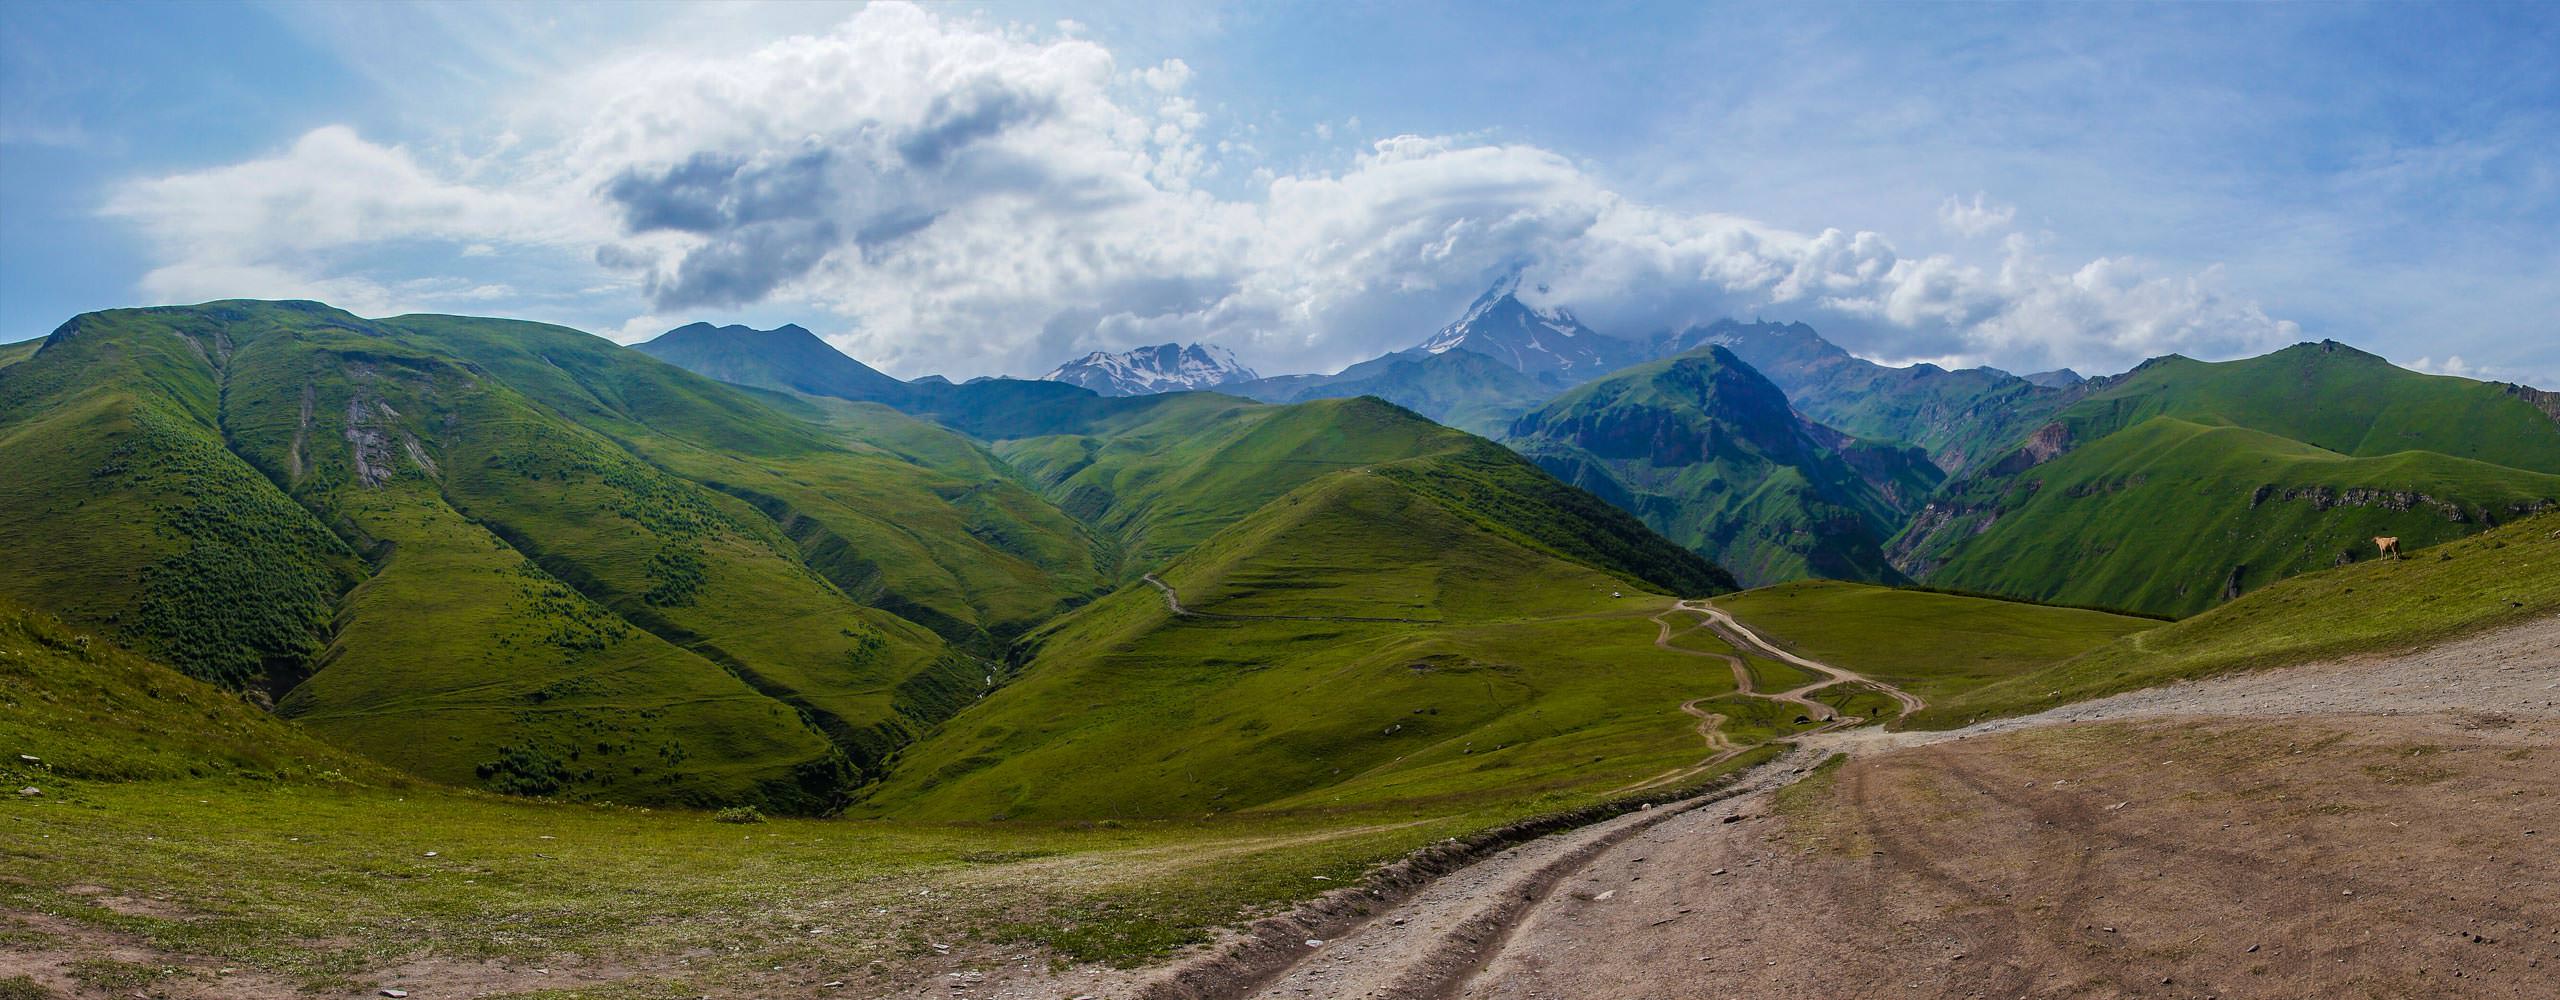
(1173, 603)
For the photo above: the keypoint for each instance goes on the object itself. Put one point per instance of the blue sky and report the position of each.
(996, 187)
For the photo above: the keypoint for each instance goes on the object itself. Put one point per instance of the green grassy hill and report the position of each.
(1933, 645)
(11, 354)
(2332, 397)
(515, 556)
(1358, 641)
(1962, 417)
(185, 842)
(125, 510)
(1160, 474)
(1460, 388)
(2183, 483)
(1150, 476)
(899, 513)
(80, 708)
(788, 358)
(2495, 578)
(1709, 453)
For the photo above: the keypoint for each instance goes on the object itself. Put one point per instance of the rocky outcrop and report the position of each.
(2328, 498)
(2541, 399)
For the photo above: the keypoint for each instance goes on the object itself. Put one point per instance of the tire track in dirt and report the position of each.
(1426, 946)
(1429, 946)
(2040, 920)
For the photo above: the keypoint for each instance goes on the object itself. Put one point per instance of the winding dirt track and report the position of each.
(1432, 943)
(1741, 635)
(1528, 922)
(1711, 724)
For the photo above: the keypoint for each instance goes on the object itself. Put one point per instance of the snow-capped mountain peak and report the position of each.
(1545, 343)
(1148, 370)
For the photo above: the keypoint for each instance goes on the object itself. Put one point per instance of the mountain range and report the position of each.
(1771, 450)
(1707, 451)
(2182, 484)
(738, 566)
(643, 585)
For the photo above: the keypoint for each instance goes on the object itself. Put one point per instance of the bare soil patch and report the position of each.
(2375, 856)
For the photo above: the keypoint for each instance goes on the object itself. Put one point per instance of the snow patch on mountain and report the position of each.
(1149, 370)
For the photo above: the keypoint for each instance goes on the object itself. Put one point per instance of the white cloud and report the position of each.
(2451, 365)
(967, 198)
(1976, 218)
(272, 227)
(2457, 366)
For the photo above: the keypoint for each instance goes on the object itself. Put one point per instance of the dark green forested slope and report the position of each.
(2184, 483)
(1706, 451)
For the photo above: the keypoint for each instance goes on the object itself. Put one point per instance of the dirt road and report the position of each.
(1743, 637)
(1721, 747)
(1954, 864)
(1438, 938)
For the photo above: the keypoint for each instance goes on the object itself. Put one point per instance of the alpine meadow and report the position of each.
(1176, 502)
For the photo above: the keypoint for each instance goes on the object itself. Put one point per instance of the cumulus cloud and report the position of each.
(269, 227)
(946, 195)
(2456, 365)
(1979, 217)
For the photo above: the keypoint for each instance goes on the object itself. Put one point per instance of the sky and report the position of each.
(993, 188)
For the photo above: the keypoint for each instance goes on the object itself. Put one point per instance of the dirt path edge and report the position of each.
(1275, 944)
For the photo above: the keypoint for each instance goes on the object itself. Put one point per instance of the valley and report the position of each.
(473, 657)
(186, 872)
(1012, 500)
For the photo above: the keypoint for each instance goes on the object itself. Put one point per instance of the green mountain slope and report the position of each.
(583, 572)
(1931, 644)
(1511, 672)
(896, 512)
(1160, 474)
(11, 354)
(1706, 451)
(1960, 417)
(2183, 484)
(125, 510)
(80, 707)
(1458, 387)
(2505, 576)
(787, 357)
(2332, 397)
(1152, 475)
